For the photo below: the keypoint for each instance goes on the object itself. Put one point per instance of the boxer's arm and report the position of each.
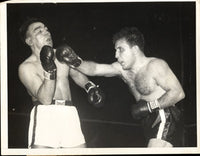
(66, 54)
(43, 90)
(95, 69)
(79, 78)
(95, 95)
(167, 80)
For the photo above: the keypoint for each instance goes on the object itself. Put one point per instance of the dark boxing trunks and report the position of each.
(162, 124)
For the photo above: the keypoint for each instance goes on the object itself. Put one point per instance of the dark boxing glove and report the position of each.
(143, 108)
(95, 95)
(66, 54)
(47, 61)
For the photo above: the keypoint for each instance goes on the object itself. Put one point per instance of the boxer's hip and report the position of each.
(162, 124)
(55, 125)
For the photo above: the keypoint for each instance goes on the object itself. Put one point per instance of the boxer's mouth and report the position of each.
(121, 62)
(49, 40)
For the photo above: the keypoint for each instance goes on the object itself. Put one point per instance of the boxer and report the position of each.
(54, 120)
(151, 81)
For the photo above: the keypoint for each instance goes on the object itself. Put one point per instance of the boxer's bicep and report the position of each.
(165, 77)
(167, 80)
(29, 79)
(107, 70)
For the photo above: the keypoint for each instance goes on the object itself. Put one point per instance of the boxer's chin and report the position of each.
(124, 67)
(50, 43)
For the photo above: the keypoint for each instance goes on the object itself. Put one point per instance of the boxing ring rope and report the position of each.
(109, 122)
(188, 129)
(104, 121)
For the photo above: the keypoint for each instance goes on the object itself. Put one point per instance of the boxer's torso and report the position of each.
(62, 91)
(142, 83)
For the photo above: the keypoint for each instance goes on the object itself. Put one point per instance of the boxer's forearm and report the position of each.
(96, 69)
(170, 98)
(88, 67)
(79, 78)
(46, 91)
(67, 55)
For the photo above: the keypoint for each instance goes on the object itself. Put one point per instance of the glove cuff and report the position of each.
(76, 63)
(153, 105)
(89, 85)
(50, 75)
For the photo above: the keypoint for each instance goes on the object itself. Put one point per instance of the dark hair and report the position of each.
(132, 35)
(24, 27)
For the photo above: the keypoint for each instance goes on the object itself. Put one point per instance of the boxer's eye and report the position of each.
(46, 29)
(38, 31)
(121, 50)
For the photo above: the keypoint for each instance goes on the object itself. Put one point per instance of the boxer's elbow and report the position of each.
(179, 95)
(94, 70)
(88, 68)
(45, 101)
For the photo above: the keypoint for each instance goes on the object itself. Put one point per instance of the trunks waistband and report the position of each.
(62, 102)
(57, 102)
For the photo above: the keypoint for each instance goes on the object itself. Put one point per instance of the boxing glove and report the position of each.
(143, 108)
(47, 61)
(95, 95)
(66, 54)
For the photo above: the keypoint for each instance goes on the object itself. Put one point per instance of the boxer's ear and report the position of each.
(29, 41)
(135, 47)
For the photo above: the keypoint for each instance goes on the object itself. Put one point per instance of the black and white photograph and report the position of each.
(99, 77)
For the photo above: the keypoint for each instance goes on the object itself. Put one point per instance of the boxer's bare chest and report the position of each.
(140, 83)
(62, 81)
(62, 70)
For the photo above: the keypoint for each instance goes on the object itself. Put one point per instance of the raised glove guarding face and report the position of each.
(47, 61)
(66, 54)
(47, 58)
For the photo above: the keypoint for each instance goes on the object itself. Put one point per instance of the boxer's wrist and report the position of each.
(153, 105)
(76, 63)
(89, 85)
(50, 75)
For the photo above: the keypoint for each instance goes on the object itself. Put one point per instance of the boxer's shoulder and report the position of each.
(156, 65)
(29, 66)
(156, 62)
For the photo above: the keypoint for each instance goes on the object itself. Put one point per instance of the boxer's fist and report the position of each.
(47, 61)
(66, 54)
(143, 108)
(95, 95)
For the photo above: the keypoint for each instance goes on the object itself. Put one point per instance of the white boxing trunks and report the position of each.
(56, 126)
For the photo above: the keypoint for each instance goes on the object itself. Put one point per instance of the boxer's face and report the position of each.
(38, 35)
(124, 54)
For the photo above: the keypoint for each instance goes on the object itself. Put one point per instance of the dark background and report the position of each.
(169, 31)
